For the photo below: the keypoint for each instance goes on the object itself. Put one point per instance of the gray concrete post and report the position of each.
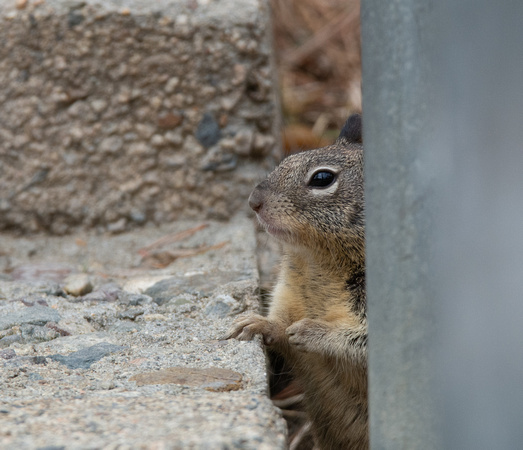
(395, 102)
(444, 222)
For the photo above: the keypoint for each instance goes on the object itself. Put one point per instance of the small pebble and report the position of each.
(78, 284)
(20, 4)
(131, 314)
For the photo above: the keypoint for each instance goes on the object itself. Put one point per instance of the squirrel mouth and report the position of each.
(273, 230)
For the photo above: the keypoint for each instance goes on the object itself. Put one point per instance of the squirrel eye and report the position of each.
(323, 178)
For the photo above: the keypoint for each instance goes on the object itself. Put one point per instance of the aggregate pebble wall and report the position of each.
(118, 113)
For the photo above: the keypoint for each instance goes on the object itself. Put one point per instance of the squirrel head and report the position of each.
(314, 200)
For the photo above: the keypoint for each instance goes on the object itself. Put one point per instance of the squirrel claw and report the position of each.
(246, 327)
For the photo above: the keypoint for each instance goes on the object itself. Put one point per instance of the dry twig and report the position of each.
(161, 259)
(169, 239)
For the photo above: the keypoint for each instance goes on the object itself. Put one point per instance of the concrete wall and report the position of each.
(116, 113)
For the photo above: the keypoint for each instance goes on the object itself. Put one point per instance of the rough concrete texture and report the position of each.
(136, 359)
(116, 113)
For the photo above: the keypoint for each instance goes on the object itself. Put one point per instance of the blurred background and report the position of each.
(317, 45)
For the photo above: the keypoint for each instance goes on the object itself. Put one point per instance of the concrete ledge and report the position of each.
(99, 350)
(119, 113)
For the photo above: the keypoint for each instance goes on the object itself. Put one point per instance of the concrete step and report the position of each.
(115, 341)
(117, 113)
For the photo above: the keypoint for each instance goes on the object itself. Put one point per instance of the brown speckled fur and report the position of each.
(317, 318)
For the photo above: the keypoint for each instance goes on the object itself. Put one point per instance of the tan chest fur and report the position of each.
(305, 290)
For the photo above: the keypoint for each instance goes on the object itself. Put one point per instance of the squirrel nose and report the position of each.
(256, 198)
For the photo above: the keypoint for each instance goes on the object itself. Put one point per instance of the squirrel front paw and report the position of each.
(246, 327)
(307, 335)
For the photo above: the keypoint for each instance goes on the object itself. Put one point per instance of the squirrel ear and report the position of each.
(351, 131)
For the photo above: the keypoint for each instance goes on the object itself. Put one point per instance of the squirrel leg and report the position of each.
(244, 328)
(330, 339)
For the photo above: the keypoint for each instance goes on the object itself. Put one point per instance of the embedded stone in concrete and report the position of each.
(221, 306)
(210, 379)
(116, 113)
(82, 359)
(35, 315)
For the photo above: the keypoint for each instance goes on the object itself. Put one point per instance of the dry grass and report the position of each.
(317, 45)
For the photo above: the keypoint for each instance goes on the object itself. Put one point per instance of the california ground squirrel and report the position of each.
(313, 203)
